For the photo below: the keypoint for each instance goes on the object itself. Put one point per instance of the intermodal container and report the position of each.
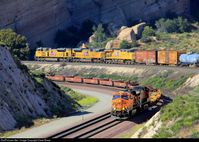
(169, 57)
(91, 80)
(106, 82)
(146, 56)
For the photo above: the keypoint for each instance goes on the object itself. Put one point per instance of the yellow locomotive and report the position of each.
(120, 56)
(43, 54)
(86, 55)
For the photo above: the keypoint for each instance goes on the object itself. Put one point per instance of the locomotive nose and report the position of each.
(119, 105)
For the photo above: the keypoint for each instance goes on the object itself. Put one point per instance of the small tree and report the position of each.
(183, 25)
(99, 39)
(16, 43)
(147, 33)
(178, 25)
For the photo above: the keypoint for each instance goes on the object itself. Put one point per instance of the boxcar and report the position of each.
(169, 57)
(146, 57)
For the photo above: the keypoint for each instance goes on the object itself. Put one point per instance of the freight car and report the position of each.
(146, 57)
(91, 81)
(106, 82)
(116, 56)
(59, 78)
(126, 103)
(94, 81)
(191, 59)
(169, 57)
(73, 79)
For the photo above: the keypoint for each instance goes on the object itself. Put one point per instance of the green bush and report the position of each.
(178, 25)
(126, 45)
(183, 112)
(147, 33)
(16, 43)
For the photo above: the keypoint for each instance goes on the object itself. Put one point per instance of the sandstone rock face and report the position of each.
(138, 29)
(40, 19)
(127, 34)
(113, 44)
(91, 38)
(21, 97)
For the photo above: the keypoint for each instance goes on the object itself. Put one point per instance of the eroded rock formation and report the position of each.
(40, 19)
(22, 99)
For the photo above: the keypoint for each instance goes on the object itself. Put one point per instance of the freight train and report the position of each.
(134, 98)
(119, 56)
(94, 81)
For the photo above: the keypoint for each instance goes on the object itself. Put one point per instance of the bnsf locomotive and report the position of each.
(119, 56)
(126, 103)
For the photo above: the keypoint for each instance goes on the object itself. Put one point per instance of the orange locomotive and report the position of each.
(125, 103)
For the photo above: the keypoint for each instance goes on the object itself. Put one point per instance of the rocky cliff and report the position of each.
(40, 19)
(22, 99)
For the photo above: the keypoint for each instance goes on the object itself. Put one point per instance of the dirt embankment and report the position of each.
(22, 98)
(140, 73)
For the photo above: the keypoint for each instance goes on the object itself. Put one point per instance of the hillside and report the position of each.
(24, 97)
(180, 84)
(40, 20)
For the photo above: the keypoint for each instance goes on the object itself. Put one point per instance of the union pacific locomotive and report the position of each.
(119, 56)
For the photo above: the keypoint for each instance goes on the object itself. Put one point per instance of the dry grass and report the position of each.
(182, 41)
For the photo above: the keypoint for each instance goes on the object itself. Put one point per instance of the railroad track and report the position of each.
(105, 122)
(89, 128)
(160, 67)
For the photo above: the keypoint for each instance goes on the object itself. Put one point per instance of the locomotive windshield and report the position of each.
(116, 97)
(126, 97)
